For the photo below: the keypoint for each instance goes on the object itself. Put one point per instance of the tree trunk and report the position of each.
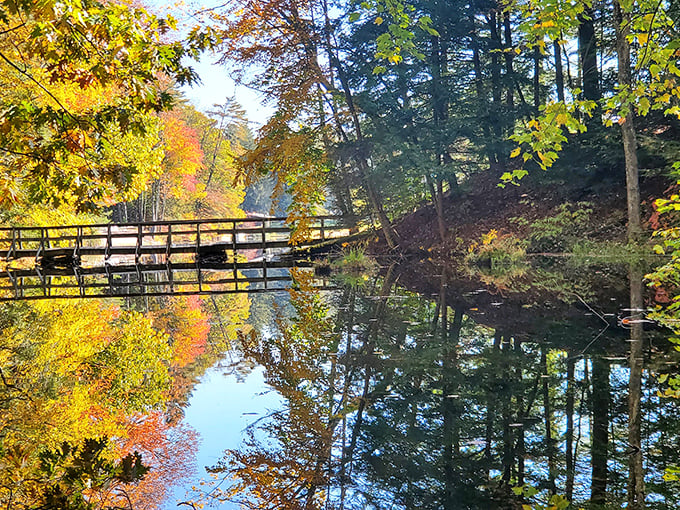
(547, 418)
(636, 480)
(587, 49)
(491, 399)
(569, 435)
(482, 110)
(600, 432)
(440, 111)
(506, 396)
(509, 53)
(537, 79)
(520, 450)
(622, 22)
(559, 72)
(360, 157)
(497, 121)
(450, 405)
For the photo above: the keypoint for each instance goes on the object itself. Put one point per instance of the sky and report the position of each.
(216, 81)
(216, 85)
(220, 409)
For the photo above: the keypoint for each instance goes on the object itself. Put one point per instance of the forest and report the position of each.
(456, 139)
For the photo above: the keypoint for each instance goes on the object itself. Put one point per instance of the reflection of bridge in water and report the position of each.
(217, 256)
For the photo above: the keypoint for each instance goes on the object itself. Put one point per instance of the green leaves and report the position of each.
(554, 502)
(541, 139)
(399, 39)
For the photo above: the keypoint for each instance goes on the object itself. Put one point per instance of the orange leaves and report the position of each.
(168, 449)
(183, 154)
(187, 326)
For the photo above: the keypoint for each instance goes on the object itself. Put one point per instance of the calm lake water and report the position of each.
(407, 386)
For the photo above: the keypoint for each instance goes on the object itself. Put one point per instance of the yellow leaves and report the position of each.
(663, 98)
(78, 140)
(379, 20)
(561, 119)
(297, 159)
(77, 331)
(515, 152)
(489, 237)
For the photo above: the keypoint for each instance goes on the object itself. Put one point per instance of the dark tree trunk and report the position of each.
(600, 432)
(440, 110)
(520, 450)
(498, 118)
(509, 54)
(506, 397)
(587, 49)
(537, 79)
(559, 72)
(491, 400)
(450, 406)
(482, 109)
(547, 419)
(569, 435)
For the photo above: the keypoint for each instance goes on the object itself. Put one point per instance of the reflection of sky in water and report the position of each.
(217, 411)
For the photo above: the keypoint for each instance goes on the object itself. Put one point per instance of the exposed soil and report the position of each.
(480, 206)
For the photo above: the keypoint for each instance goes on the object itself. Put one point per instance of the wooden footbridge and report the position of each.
(213, 256)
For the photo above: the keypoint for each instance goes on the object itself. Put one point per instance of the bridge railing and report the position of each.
(152, 280)
(160, 237)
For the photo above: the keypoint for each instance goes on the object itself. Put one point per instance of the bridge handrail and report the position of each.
(165, 223)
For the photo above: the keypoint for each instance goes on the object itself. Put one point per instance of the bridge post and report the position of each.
(233, 239)
(140, 241)
(264, 237)
(198, 256)
(41, 246)
(198, 240)
(168, 243)
(107, 249)
(13, 246)
(79, 242)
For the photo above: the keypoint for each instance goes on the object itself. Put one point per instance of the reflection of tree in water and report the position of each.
(397, 401)
(89, 378)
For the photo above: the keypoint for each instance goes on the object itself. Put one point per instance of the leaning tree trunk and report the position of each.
(569, 435)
